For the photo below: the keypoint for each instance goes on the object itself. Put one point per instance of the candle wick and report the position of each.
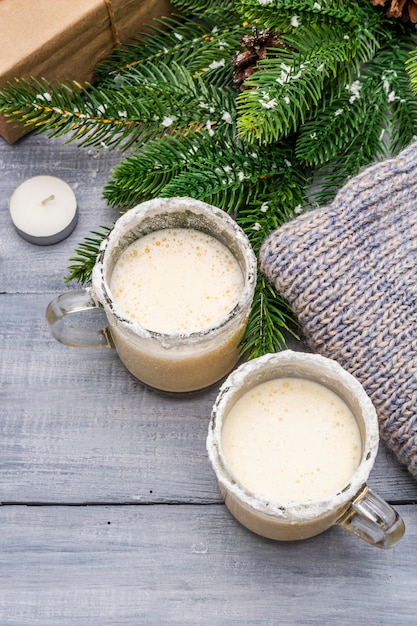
(48, 199)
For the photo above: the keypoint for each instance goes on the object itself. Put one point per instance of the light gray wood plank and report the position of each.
(75, 426)
(163, 565)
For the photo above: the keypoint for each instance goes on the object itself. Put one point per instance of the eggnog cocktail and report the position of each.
(176, 279)
(291, 439)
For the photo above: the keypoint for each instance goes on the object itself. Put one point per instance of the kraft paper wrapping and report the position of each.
(65, 39)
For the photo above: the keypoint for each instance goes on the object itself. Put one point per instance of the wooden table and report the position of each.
(111, 513)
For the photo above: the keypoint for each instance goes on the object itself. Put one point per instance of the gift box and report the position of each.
(65, 39)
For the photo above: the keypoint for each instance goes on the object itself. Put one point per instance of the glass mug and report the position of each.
(249, 393)
(175, 361)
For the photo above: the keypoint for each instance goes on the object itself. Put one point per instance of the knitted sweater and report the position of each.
(349, 270)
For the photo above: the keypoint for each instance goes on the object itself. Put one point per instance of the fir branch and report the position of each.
(168, 99)
(401, 101)
(404, 114)
(70, 109)
(201, 47)
(290, 85)
(267, 211)
(270, 324)
(411, 67)
(85, 256)
(145, 173)
(286, 15)
(205, 8)
(364, 149)
(210, 168)
(331, 132)
(354, 130)
(231, 179)
(271, 319)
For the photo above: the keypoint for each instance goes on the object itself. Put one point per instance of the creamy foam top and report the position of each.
(291, 439)
(176, 280)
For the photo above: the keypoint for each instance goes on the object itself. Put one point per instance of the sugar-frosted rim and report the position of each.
(101, 289)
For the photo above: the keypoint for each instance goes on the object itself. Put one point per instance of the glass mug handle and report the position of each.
(373, 520)
(70, 302)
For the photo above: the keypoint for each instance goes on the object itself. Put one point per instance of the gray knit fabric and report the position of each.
(350, 272)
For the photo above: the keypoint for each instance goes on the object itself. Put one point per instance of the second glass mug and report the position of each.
(353, 505)
(171, 362)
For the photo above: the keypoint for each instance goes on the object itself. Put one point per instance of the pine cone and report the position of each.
(246, 61)
(404, 10)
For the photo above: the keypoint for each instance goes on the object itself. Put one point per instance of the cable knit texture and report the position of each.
(350, 272)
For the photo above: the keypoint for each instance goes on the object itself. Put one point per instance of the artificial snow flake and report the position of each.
(286, 100)
(298, 209)
(241, 176)
(317, 6)
(387, 75)
(256, 226)
(285, 72)
(227, 117)
(44, 96)
(355, 89)
(338, 112)
(287, 163)
(264, 207)
(295, 21)
(168, 121)
(215, 64)
(268, 103)
(178, 36)
(209, 128)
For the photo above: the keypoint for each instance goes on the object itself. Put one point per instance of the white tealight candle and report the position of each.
(44, 210)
